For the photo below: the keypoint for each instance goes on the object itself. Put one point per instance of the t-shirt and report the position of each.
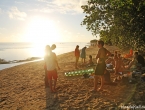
(140, 60)
(77, 52)
(50, 61)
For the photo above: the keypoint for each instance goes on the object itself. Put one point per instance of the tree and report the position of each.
(120, 21)
(93, 41)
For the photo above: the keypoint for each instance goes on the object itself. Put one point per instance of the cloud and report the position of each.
(42, 0)
(43, 10)
(70, 5)
(14, 13)
(64, 6)
(19, 2)
(0, 10)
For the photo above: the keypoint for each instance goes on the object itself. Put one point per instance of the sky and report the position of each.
(43, 21)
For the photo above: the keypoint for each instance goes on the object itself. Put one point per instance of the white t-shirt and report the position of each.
(50, 61)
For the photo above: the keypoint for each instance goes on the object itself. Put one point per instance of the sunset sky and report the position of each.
(42, 21)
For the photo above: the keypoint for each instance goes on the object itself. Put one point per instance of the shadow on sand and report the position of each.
(52, 101)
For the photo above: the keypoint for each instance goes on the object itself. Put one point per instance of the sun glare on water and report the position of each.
(41, 32)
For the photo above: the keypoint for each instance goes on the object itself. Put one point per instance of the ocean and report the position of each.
(24, 50)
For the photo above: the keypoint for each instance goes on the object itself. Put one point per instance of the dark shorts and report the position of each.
(100, 69)
(52, 75)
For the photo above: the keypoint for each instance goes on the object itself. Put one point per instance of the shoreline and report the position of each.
(9, 64)
(3, 61)
(22, 87)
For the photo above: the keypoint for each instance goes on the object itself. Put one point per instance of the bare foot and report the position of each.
(99, 89)
(54, 90)
(93, 90)
(51, 91)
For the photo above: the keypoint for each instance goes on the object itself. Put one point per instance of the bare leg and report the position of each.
(50, 85)
(75, 64)
(77, 58)
(46, 79)
(95, 82)
(102, 82)
(55, 85)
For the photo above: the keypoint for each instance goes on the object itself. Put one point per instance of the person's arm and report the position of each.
(108, 61)
(108, 53)
(122, 64)
(56, 61)
(98, 54)
(115, 64)
(130, 64)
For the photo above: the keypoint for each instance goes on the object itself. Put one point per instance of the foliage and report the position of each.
(121, 22)
(93, 41)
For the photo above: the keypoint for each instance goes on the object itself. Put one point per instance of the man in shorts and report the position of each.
(50, 60)
(46, 75)
(101, 65)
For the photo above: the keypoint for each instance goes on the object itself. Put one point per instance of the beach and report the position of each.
(22, 88)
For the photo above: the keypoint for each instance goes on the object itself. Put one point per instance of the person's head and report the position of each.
(47, 49)
(112, 55)
(115, 52)
(77, 47)
(135, 54)
(90, 56)
(100, 43)
(53, 46)
(119, 55)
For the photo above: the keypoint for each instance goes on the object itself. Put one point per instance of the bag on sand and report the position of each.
(107, 76)
(108, 79)
(86, 76)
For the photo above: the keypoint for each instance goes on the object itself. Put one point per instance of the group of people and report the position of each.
(116, 62)
(101, 65)
(103, 57)
(78, 54)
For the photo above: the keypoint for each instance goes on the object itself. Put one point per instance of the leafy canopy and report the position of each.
(120, 21)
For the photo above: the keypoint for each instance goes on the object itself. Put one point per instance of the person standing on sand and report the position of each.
(46, 75)
(50, 60)
(77, 55)
(83, 54)
(119, 66)
(101, 66)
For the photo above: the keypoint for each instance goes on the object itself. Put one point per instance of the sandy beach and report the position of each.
(22, 88)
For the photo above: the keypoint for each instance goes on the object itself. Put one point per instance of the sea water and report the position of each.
(24, 50)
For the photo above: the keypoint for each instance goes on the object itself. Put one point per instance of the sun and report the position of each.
(42, 30)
